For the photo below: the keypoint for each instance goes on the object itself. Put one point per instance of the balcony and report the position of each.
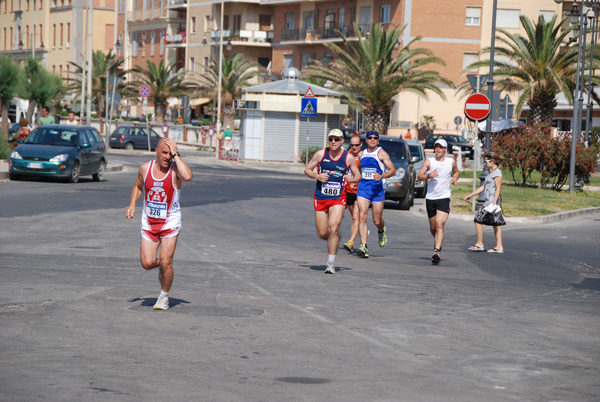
(314, 34)
(242, 37)
(176, 39)
(177, 4)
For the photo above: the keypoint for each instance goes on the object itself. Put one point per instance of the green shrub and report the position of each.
(534, 149)
(4, 148)
(311, 152)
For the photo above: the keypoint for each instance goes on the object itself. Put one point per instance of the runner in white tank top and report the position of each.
(440, 172)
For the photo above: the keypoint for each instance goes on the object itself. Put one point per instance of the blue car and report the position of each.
(61, 151)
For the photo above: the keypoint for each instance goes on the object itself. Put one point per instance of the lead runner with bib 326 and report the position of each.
(160, 182)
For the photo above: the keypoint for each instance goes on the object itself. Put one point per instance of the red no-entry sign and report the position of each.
(477, 107)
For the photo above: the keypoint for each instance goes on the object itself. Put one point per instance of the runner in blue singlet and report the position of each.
(375, 166)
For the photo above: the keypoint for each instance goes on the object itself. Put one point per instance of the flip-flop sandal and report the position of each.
(493, 250)
(475, 248)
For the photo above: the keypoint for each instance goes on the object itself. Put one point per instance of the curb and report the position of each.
(109, 168)
(559, 216)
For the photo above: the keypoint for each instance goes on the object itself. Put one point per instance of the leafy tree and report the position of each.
(237, 74)
(371, 72)
(540, 65)
(10, 80)
(40, 86)
(101, 64)
(164, 83)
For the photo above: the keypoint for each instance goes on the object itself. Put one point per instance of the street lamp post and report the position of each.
(488, 125)
(580, 17)
(220, 72)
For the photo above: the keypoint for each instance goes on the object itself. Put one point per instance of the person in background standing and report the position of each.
(21, 133)
(71, 121)
(46, 118)
(492, 188)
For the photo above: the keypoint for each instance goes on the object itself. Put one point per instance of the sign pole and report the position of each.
(307, 137)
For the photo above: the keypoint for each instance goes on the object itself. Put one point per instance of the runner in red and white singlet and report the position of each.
(160, 183)
(161, 216)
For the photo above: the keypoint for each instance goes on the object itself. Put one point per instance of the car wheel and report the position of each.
(100, 174)
(412, 196)
(14, 176)
(405, 202)
(128, 146)
(74, 177)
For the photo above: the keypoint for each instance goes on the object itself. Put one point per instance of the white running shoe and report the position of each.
(330, 268)
(162, 303)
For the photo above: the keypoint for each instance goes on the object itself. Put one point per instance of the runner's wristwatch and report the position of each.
(176, 154)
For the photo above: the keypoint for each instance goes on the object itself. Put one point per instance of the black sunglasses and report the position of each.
(372, 138)
(355, 145)
(336, 139)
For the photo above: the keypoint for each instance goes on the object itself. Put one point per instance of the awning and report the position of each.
(199, 101)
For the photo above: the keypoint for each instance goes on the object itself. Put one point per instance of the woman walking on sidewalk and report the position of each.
(490, 212)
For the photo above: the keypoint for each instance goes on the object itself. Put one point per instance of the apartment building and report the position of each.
(456, 30)
(54, 30)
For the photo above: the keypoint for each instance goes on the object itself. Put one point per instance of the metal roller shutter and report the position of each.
(315, 131)
(279, 136)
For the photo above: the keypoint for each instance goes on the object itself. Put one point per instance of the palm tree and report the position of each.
(371, 72)
(164, 83)
(10, 79)
(40, 86)
(102, 63)
(236, 74)
(540, 65)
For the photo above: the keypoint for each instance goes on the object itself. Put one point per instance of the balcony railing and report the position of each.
(313, 34)
(178, 38)
(243, 36)
(176, 2)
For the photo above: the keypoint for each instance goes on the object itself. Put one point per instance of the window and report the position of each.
(41, 33)
(308, 20)
(53, 35)
(468, 59)
(329, 20)
(162, 43)
(548, 15)
(288, 61)
(264, 22)
(290, 20)
(306, 58)
(11, 39)
(385, 16)
(134, 45)
(206, 23)
(27, 36)
(365, 19)
(192, 64)
(206, 61)
(237, 23)
(193, 24)
(473, 18)
(342, 13)
(508, 19)
(152, 39)
(61, 34)
(4, 38)
(68, 34)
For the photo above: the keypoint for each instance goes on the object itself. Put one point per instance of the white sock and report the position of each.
(331, 258)
(165, 294)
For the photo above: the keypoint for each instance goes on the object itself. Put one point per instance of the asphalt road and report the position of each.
(254, 318)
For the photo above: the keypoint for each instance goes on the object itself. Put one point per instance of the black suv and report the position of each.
(454, 141)
(400, 187)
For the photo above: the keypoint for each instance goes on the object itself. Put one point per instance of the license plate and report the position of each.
(34, 165)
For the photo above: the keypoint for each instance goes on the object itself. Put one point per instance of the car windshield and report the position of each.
(461, 139)
(48, 136)
(414, 151)
(396, 150)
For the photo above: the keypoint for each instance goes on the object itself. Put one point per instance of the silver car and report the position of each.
(417, 150)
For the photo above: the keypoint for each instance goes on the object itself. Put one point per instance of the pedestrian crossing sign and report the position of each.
(309, 107)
